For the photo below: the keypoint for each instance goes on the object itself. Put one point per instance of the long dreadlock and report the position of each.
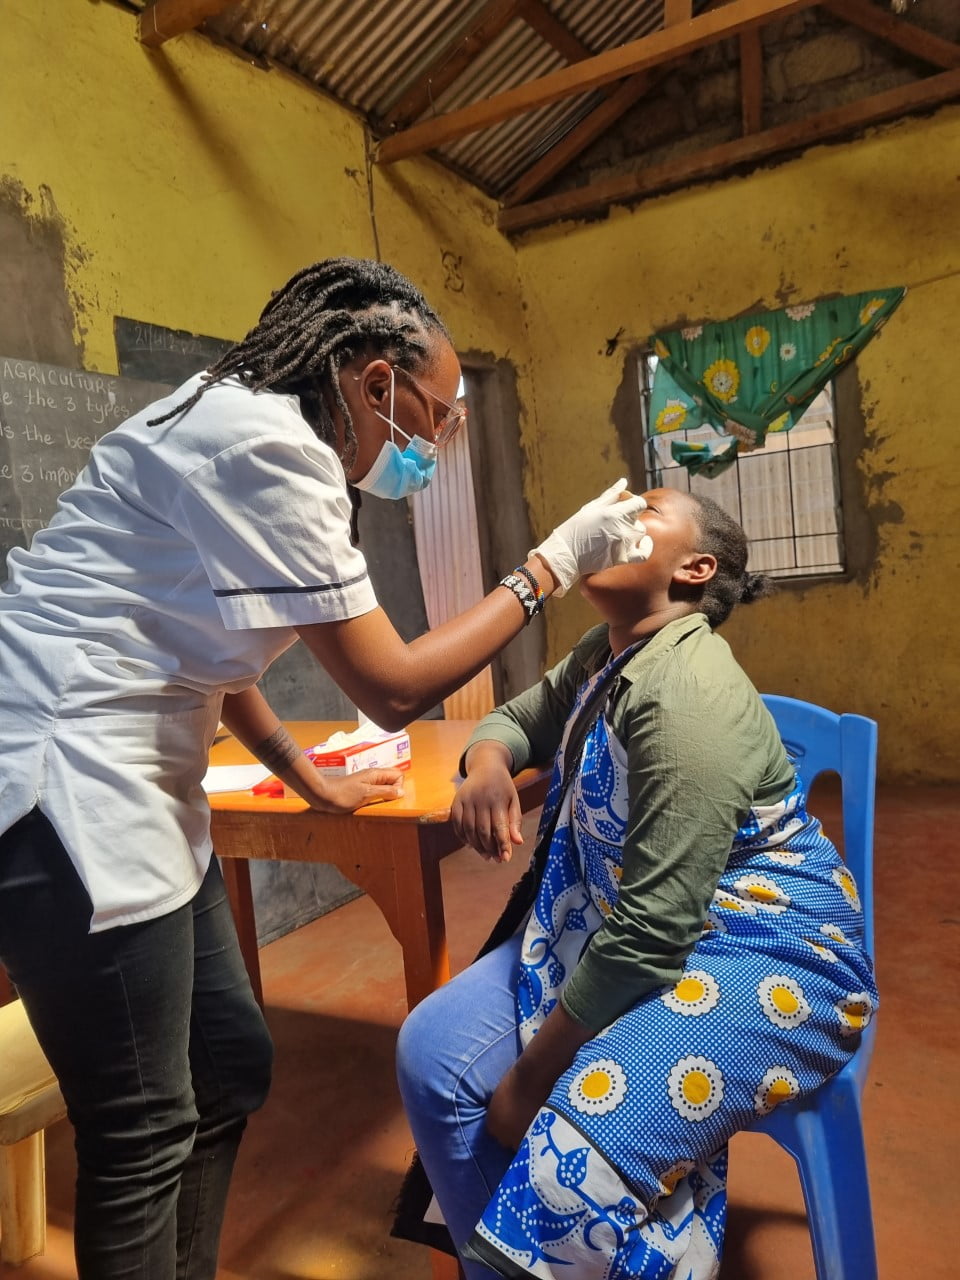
(323, 317)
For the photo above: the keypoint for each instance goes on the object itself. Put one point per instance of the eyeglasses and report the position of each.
(452, 420)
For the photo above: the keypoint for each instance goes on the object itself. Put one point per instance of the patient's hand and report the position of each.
(486, 810)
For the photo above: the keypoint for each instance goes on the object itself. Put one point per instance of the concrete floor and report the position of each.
(322, 1162)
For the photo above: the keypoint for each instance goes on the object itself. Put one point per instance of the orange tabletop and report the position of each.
(392, 851)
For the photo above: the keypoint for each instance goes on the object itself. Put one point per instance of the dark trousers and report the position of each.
(160, 1050)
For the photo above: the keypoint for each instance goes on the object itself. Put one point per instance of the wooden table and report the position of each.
(392, 851)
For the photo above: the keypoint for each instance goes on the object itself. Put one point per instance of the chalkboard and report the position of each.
(50, 418)
(151, 352)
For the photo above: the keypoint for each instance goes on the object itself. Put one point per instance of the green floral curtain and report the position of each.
(757, 374)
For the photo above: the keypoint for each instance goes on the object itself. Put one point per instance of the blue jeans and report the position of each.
(453, 1051)
(160, 1050)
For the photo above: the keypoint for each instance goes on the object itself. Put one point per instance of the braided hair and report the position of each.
(723, 538)
(323, 317)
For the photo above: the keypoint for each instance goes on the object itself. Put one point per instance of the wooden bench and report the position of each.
(29, 1101)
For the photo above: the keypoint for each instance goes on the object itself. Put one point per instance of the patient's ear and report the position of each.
(697, 569)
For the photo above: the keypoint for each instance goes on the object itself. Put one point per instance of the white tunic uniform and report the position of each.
(174, 569)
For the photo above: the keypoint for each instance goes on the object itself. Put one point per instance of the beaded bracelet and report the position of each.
(537, 589)
(513, 582)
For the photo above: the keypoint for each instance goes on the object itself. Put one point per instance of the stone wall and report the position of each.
(812, 62)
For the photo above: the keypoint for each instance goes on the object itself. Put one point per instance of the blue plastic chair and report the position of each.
(824, 1133)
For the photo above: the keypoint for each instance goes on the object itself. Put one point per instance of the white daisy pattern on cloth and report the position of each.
(696, 993)
(847, 886)
(763, 892)
(823, 952)
(785, 857)
(779, 1084)
(801, 311)
(788, 350)
(605, 1171)
(783, 1001)
(670, 1177)
(836, 934)
(727, 902)
(696, 1087)
(713, 924)
(854, 1011)
(599, 1088)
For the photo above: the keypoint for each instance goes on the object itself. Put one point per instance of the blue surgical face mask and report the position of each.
(397, 474)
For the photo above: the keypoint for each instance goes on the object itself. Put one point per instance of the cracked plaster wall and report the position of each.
(180, 187)
(877, 211)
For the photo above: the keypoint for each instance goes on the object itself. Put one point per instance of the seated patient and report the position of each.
(684, 954)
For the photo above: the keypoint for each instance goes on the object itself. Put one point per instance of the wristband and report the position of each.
(532, 606)
(537, 589)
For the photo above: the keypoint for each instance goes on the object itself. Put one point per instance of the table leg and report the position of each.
(236, 881)
(419, 924)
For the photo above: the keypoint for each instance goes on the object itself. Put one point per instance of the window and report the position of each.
(785, 495)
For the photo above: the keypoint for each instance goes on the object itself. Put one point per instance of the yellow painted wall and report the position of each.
(882, 210)
(191, 183)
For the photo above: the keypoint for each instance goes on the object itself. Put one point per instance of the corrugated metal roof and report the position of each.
(368, 55)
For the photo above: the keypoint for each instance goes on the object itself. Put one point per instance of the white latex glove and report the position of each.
(605, 531)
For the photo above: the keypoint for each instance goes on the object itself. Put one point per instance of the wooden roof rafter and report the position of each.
(537, 16)
(453, 60)
(618, 102)
(751, 80)
(711, 163)
(601, 69)
(896, 31)
(675, 11)
(161, 20)
(605, 85)
(756, 144)
(626, 95)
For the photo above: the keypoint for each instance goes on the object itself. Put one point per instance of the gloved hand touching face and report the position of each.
(603, 532)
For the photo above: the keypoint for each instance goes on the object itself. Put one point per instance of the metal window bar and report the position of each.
(789, 496)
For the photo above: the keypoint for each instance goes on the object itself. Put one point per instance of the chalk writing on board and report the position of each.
(50, 418)
(153, 352)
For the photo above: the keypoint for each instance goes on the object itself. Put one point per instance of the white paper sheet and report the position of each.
(233, 777)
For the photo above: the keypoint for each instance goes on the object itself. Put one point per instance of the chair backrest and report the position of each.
(819, 741)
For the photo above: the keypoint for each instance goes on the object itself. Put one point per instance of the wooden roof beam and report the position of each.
(919, 96)
(613, 64)
(454, 60)
(619, 101)
(905, 35)
(675, 11)
(751, 80)
(581, 135)
(451, 63)
(536, 15)
(161, 20)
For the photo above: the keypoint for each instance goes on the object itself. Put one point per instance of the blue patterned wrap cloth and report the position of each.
(623, 1172)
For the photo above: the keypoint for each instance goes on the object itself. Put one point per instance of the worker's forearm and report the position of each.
(255, 724)
(394, 681)
(444, 658)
